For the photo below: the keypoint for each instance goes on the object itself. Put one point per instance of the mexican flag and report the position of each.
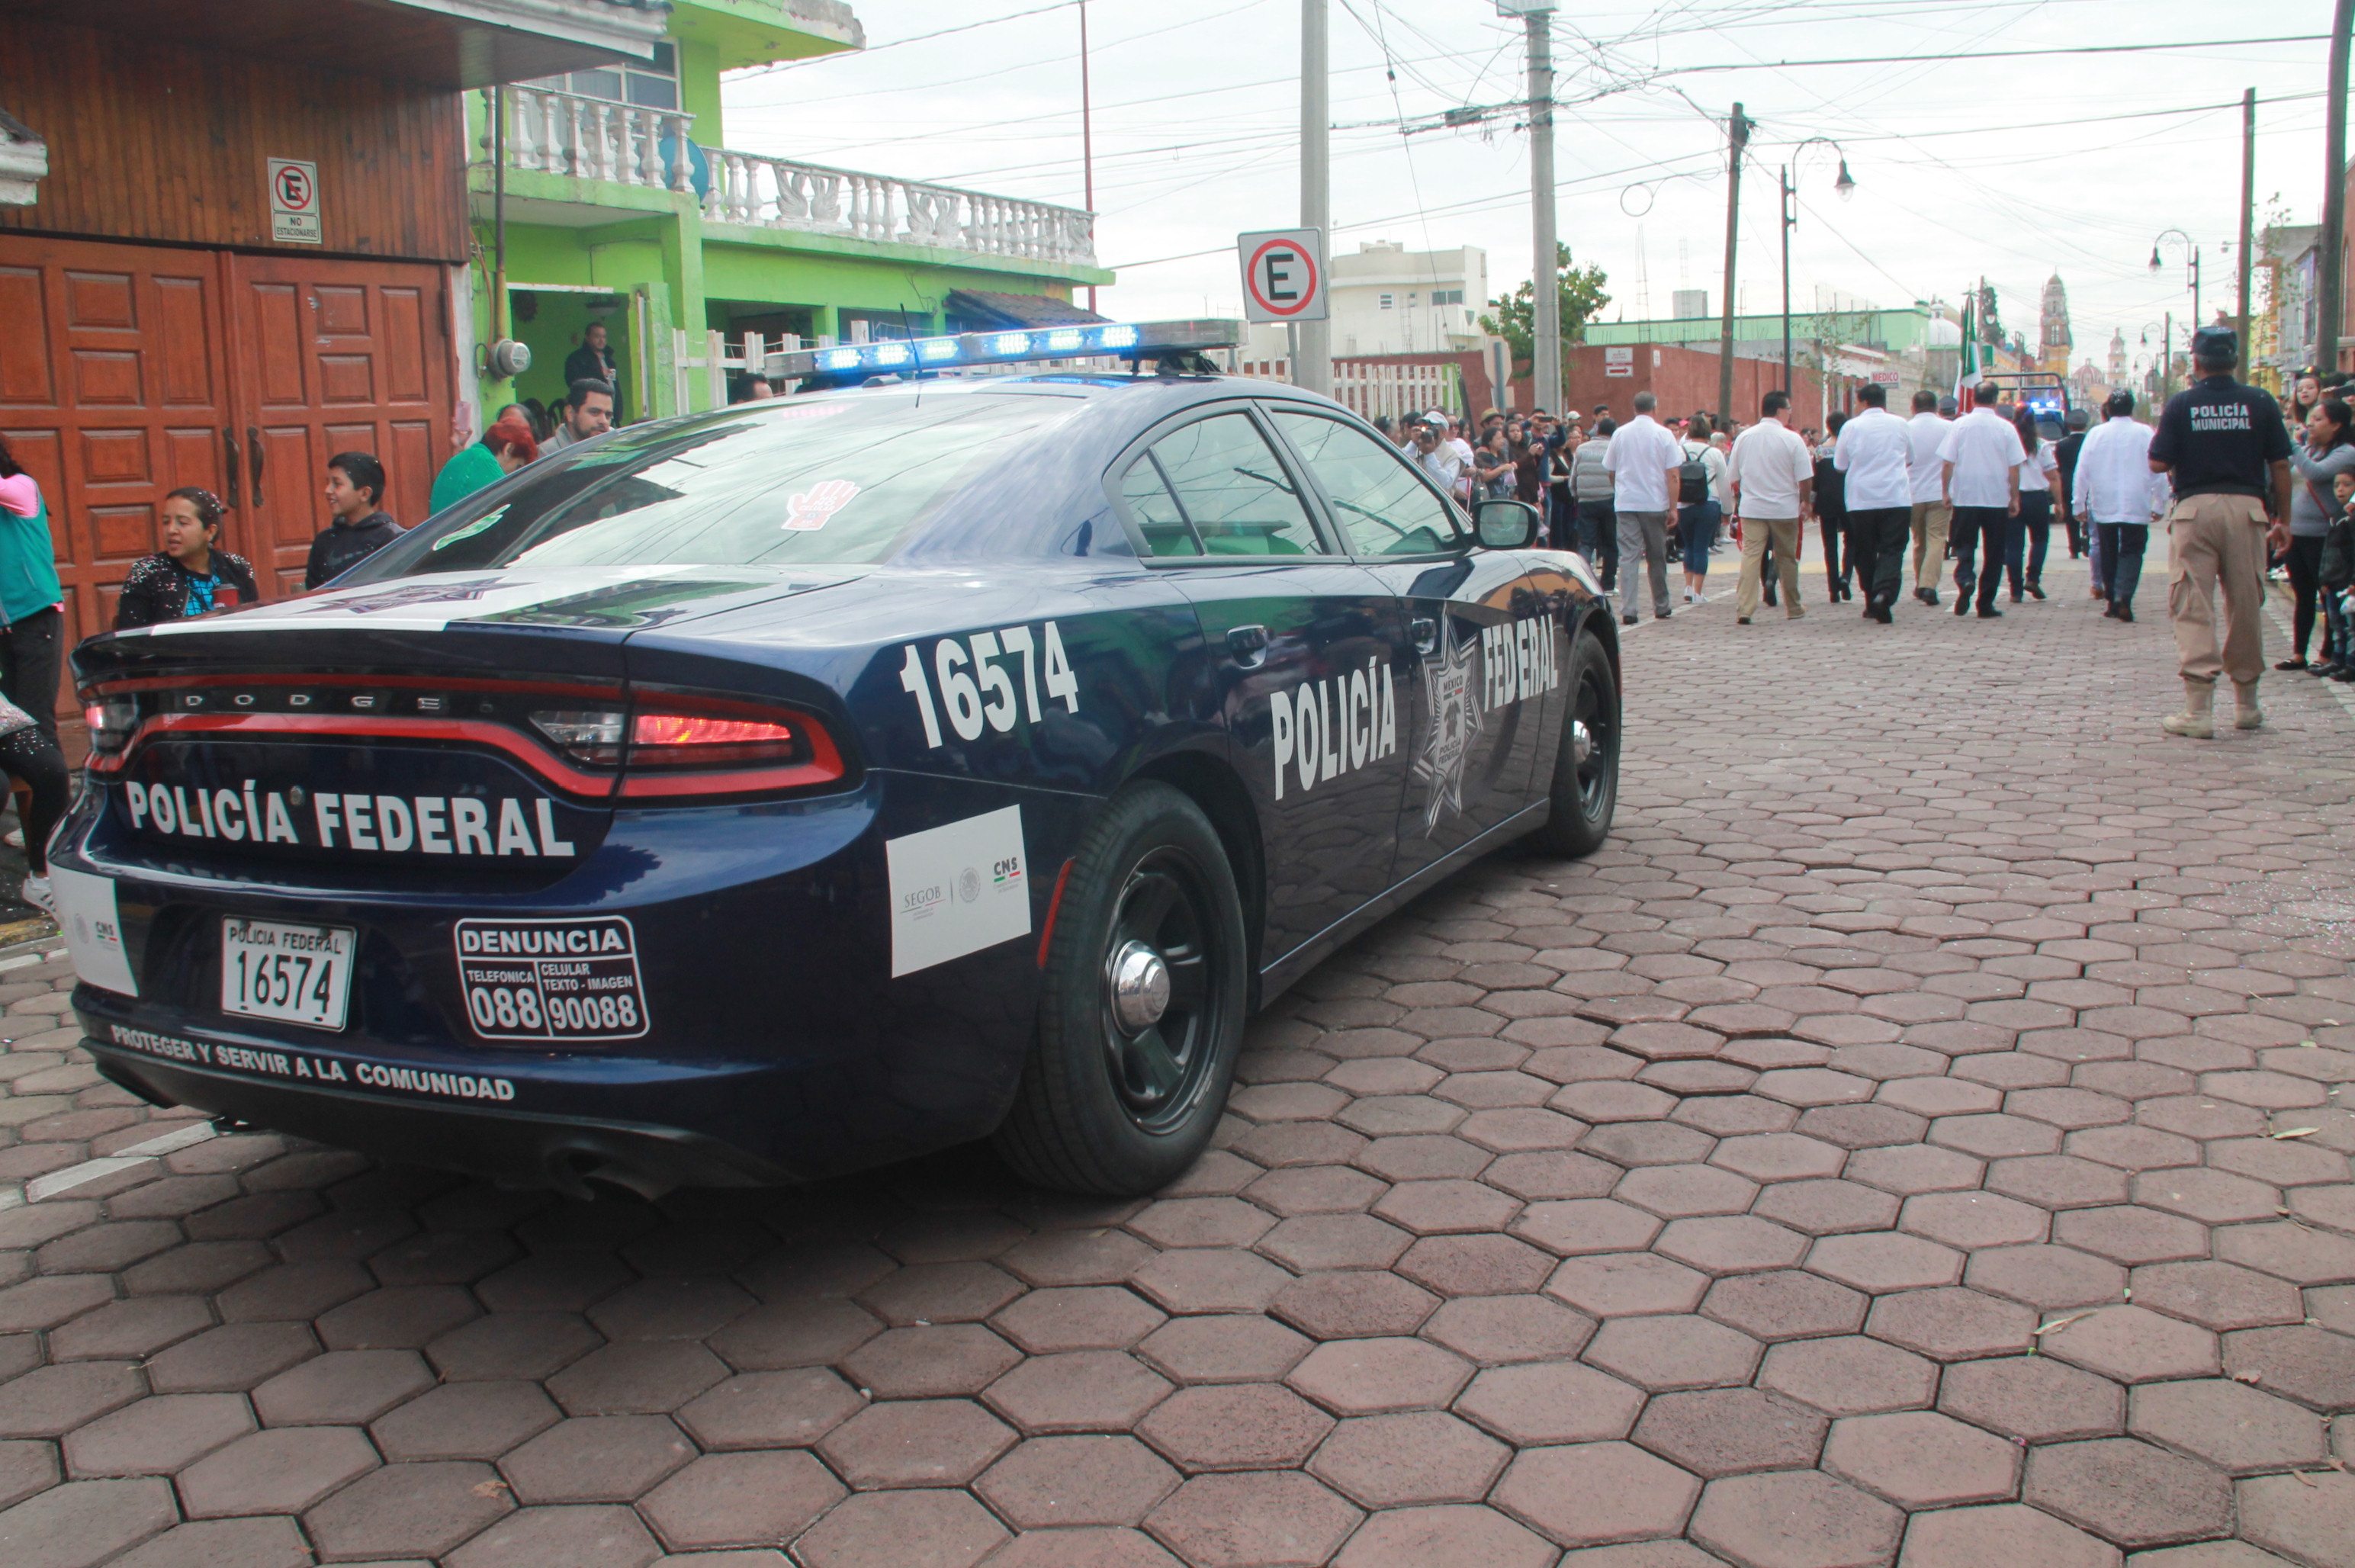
(1973, 361)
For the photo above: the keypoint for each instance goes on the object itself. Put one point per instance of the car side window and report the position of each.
(1381, 505)
(1158, 516)
(1216, 487)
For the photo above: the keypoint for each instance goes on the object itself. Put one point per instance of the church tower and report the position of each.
(2053, 343)
(2117, 365)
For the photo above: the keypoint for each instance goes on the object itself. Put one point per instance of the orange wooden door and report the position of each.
(334, 357)
(113, 390)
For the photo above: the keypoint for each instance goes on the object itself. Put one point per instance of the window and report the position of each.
(1214, 487)
(649, 84)
(1447, 297)
(1382, 506)
(838, 481)
(1386, 302)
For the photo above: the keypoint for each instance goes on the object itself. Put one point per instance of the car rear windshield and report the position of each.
(840, 481)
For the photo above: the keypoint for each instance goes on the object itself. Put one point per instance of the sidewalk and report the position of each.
(1916, 1139)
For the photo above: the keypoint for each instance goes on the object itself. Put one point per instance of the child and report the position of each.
(2336, 576)
(361, 526)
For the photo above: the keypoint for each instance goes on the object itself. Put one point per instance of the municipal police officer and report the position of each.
(2227, 450)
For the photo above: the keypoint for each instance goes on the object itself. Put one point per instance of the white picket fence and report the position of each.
(1378, 388)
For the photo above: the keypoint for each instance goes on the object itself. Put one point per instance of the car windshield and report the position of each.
(837, 482)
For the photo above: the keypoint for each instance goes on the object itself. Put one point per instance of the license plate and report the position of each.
(292, 973)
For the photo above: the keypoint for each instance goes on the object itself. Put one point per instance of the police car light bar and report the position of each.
(1138, 340)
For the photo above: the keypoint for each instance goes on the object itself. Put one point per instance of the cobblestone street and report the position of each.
(1916, 1139)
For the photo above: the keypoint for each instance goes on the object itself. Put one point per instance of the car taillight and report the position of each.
(591, 734)
(112, 721)
(665, 740)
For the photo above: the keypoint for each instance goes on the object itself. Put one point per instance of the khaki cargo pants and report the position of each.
(1931, 521)
(2217, 541)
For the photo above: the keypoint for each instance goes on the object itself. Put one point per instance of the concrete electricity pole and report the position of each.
(2331, 323)
(1545, 279)
(1737, 134)
(2248, 223)
(1312, 366)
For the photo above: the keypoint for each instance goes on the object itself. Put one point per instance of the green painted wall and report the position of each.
(698, 89)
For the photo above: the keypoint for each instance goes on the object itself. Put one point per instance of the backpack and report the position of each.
(1692, 479)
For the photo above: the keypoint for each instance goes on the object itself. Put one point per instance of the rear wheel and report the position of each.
(1586, 767)
(1141, 1013)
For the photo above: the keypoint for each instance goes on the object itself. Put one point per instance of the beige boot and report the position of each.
(2197, 719)
(2246, 714)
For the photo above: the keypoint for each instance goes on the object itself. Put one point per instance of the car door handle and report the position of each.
(234, 461)
(1247, 646)
(1425, 633)
(253, 455)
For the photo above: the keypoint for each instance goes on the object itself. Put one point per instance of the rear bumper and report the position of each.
(515, 1148)
(781, 1046)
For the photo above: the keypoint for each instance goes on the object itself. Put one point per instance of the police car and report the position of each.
(768, 793)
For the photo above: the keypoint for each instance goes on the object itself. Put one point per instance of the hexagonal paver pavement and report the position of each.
(1888, 1150)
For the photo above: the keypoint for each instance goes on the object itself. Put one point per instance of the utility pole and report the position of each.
(2328, 282)
(1312, 368)
(2248, 218)
(1787, 222)
(1087, 133)
(1545, 280)
(1737, 130)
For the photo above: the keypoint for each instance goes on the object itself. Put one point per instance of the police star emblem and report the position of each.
(1455, 724)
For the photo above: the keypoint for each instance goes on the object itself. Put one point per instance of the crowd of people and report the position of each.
(2228, 471)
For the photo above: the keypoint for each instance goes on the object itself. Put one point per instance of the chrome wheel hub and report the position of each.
(1140, 987)
(1581, 743)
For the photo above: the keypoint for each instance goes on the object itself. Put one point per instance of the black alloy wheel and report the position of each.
(1141, 1008)
(1586, 767)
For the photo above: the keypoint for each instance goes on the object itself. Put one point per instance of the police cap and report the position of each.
(2216, 342)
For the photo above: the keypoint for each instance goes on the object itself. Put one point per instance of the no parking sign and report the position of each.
(1283, 274)
(294, 202)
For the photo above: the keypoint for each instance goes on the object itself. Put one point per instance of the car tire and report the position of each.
(1586, 765)
(1140, 1012)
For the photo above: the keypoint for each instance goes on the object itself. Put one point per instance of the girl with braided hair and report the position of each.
(188, 576)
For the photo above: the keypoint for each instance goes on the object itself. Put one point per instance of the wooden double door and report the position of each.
(128, 371)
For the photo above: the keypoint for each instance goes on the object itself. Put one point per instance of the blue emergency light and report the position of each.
(1131, 340)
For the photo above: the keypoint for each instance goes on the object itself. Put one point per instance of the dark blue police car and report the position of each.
(762, 794)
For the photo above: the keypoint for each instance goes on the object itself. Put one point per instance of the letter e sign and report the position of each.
(1283, 274)
(295, 203)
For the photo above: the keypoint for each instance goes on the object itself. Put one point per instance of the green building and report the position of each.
(613, 196)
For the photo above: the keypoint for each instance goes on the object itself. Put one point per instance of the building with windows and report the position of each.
(621, 202)
(1386, 299)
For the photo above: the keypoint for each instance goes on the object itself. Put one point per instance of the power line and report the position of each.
(1994, 54)
(864, 50)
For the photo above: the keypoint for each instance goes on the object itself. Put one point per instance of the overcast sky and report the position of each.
(1960, 168)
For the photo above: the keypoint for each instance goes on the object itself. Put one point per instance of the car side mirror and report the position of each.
(1503, 524)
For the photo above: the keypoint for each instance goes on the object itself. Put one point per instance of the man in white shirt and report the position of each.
(1773, 477)
(1643, 463)
(1979, 472)
(1875, 451)
(2118, 494)
(1932, 516)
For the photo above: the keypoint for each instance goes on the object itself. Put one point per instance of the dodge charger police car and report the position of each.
(767, 792)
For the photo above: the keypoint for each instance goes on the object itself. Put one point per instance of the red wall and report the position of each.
(1684, 380)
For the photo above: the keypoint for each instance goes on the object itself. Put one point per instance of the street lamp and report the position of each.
(1845, 185)
(2191, 255)
(2166, 357)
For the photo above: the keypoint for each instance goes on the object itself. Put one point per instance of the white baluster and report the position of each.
(650, 127)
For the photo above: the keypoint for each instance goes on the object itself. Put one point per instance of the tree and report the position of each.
(1514, 319)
